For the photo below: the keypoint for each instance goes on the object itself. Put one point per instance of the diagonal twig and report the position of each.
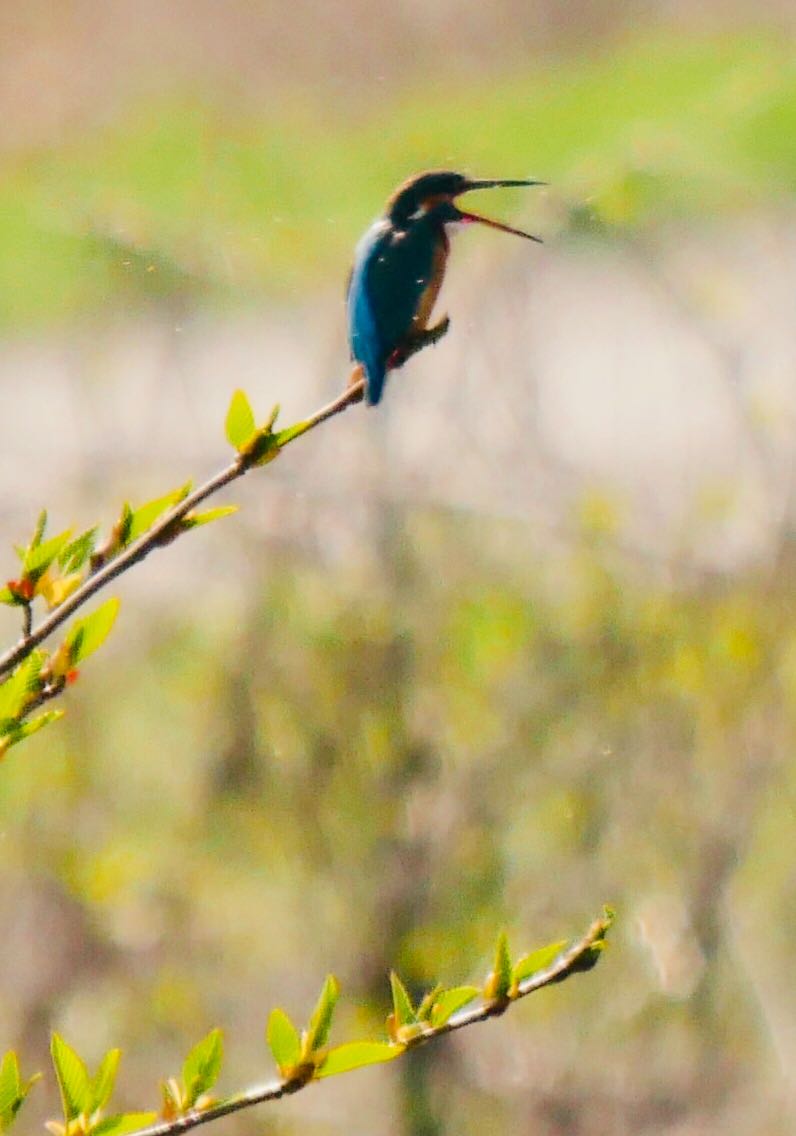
(163, 531)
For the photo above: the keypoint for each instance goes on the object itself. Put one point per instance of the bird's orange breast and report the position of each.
(429, 295)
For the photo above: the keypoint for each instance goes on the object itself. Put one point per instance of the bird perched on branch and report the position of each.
(398, 270)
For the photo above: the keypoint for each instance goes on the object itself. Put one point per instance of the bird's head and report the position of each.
(438, 190)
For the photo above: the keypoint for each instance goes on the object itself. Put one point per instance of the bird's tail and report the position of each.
(375, 376)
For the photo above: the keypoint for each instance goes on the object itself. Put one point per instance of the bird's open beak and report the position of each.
(494, 183)
(471, 217)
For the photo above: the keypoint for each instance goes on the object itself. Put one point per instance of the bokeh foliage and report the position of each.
(364, 766)
(191, 198)
(436, 751)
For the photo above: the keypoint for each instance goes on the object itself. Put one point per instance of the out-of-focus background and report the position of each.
(518, 642)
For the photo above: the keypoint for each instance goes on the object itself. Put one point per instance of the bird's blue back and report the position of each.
(367, 346)
(392, 270)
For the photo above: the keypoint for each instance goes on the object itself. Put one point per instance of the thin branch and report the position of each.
(576, 957)
(563, 966)
(162, 532)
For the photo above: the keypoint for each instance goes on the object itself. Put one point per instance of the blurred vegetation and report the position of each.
(406, 760)
(192, 197)
(355, 766)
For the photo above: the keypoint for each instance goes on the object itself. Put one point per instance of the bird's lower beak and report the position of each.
(470, 218)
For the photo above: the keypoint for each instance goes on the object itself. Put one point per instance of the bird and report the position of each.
(399, 265)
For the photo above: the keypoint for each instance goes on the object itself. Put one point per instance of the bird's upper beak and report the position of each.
(493, 183)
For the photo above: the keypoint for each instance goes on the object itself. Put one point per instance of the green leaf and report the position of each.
(12, 1090)
(39, 557)
(427, 1003)
(537, 960)
(282, 437)
(85, 636)
(72, 1076)
(283, 1041)
(7, 596)
(355, 1055)
(144, 517)
(193, 520)
(499, 982)
(104, 1080)
(403, 1009)
(321, 1021)
(123, 1123)
(268, 427)
(11, 733)
(262, 447)
(202, 1067)
(41, 526)
(449, 1001)
(240, 424)
(17, 690)
(73, 557)
(121, 530)
(9, 1089)
(9, 1079)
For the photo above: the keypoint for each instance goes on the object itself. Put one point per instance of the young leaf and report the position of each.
(86, 635)
(262, 447)
(104, 1079)
(498, 983)
(75, 555)
(172, 1099)
(202, 1067)
(13, 1090)
(54, 589)
(427, 1003)
(123, 1123)
(321, 1021)
(9, 1082)
(39, 557)
(120, 537)
(449, 1001)
(72, 1077)
(144, 517)
(240, 423)
(20, 730)
(282, 437)
(17, 691)
(193, 520)
(41, 525)
(283, 1041)
(355, 1055)
(537, 960)
(403, 1009)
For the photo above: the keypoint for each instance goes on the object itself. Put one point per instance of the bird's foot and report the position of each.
(417, 340)
(433, 334)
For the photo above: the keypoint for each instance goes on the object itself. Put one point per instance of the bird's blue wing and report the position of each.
(367, 344)
(400, 270)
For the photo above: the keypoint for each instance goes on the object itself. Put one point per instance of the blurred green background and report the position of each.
(518, 643)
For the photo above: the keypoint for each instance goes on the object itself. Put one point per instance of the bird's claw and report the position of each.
(420, 338)
(435, 333)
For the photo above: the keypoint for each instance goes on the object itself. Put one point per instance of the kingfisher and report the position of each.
(399, 265)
